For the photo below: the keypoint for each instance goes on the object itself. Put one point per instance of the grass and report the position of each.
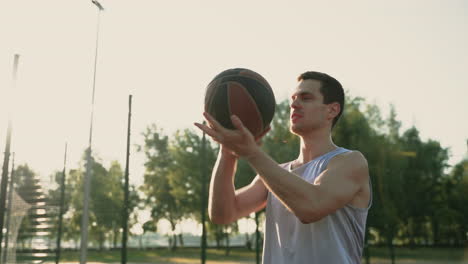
(241, 255)
(453, 255)
(182, 255)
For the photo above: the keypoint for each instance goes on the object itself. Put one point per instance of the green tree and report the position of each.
(454, 226)
(54, 197)
(25, 183)
(106, 202)
(157, 180)
(98, 228)
(109, 201)
(362, 128)
(72, 219)
(186, 177)
(423, 188)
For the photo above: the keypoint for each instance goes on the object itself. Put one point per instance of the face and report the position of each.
(308, 112)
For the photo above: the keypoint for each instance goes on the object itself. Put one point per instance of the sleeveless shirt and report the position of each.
(335, 239)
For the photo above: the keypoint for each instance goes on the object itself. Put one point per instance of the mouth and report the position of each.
(295, 117)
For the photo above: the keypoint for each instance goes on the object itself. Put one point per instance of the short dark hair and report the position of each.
(330, 88)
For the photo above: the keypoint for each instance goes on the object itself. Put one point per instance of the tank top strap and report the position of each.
(319, 164)
(327, 157)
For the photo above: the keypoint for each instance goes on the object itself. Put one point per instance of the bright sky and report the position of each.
(410, 53)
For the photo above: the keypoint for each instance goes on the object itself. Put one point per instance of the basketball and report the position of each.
(243, 93)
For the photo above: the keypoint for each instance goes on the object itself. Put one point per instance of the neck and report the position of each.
(314, 145)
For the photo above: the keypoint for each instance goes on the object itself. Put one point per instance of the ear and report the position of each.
(333, 110)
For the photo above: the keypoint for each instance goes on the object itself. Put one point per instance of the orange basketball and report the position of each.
(243, 93)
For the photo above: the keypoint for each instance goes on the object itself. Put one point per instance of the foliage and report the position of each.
(105, 206)
(173, 176)
(418, 200)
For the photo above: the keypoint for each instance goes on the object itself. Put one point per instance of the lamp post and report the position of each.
(62, 201)
(126, 212)
(89, 161)
(9, 211)
(203, 203)
(6, 160)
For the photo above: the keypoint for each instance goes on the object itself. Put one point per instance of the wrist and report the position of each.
(226, 153)
(253, 154)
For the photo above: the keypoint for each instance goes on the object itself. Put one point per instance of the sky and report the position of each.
(412, 54)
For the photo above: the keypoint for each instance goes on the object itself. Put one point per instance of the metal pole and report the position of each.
(6, 160)
(62, 200)
(203, 202)
(9, 207)
(257, 239)
(4, 182)
(89, 161)
(126, 194)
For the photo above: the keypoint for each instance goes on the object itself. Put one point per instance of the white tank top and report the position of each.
(337, 238)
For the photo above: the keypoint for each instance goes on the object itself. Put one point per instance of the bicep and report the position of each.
(251, 198)
(339, 183)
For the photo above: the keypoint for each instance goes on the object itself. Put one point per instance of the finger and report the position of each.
(239, 125)
(209, 131)
(213, 123)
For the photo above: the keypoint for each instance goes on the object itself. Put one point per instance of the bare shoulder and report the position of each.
(351, 164)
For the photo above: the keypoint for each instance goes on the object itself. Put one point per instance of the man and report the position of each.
(316, 205)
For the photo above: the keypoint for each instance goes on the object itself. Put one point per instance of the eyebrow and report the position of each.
(301, 93)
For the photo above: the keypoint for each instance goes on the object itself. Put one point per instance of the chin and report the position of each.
(295, 129)
(303, 129)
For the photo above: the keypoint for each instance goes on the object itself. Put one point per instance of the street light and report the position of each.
(6, 160)
(87, 179)
(98, 5)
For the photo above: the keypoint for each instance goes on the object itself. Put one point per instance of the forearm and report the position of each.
(294, 192)
(222, 191)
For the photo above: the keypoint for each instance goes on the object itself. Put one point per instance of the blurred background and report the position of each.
(402, 64)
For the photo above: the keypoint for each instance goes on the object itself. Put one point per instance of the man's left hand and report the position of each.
(240, 141)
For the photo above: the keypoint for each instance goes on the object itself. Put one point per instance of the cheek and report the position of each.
(319, 113)
(317, 109)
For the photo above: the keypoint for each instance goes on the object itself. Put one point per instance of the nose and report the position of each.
(295, 104)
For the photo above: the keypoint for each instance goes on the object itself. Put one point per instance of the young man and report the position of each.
(316, 205)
